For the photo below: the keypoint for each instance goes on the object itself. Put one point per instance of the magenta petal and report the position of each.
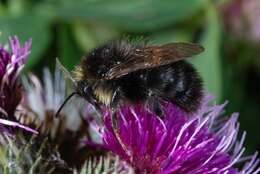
(15, 124)
(11, 64)
(178, 144)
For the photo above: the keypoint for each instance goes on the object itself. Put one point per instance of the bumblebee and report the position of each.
(120, 73)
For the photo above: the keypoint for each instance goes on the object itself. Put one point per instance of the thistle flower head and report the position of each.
(11, 64)
(33, 154)
(105, 165)
(178, 143)
(42, 100)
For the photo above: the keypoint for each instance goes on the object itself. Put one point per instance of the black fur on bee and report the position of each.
(121, 73)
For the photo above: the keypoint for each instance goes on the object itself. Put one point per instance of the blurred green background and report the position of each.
(228, 29)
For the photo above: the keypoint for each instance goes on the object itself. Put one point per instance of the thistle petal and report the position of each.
(178, 143)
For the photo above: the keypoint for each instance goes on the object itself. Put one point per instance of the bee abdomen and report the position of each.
(178, 83)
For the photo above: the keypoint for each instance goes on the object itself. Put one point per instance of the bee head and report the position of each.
(85, 90)
(82, 87)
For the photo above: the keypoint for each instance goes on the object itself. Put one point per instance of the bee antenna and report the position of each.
(63, 104)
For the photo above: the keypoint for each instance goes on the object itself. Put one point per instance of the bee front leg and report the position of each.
(99, 112)
(114, 117)
(114, 120)
(116, 128)
(114, 106)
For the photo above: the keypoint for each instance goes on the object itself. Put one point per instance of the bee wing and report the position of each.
(65, 72)
(154, 56)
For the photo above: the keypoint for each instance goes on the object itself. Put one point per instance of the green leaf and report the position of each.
(171, 36)
(208, 63)
(25, 27)
(2, 9)
(89, 36)
(69, 54)
(134, 15)
(17, 7)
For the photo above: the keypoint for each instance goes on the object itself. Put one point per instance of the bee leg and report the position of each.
(99, 112)
(114, 120)
(114, 117)
(114, 105)
(154, 104)
(157, 107)
(115, 98)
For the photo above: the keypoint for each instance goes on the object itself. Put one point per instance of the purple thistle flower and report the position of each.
(42, 100)
(179, 143)
(11, 64)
